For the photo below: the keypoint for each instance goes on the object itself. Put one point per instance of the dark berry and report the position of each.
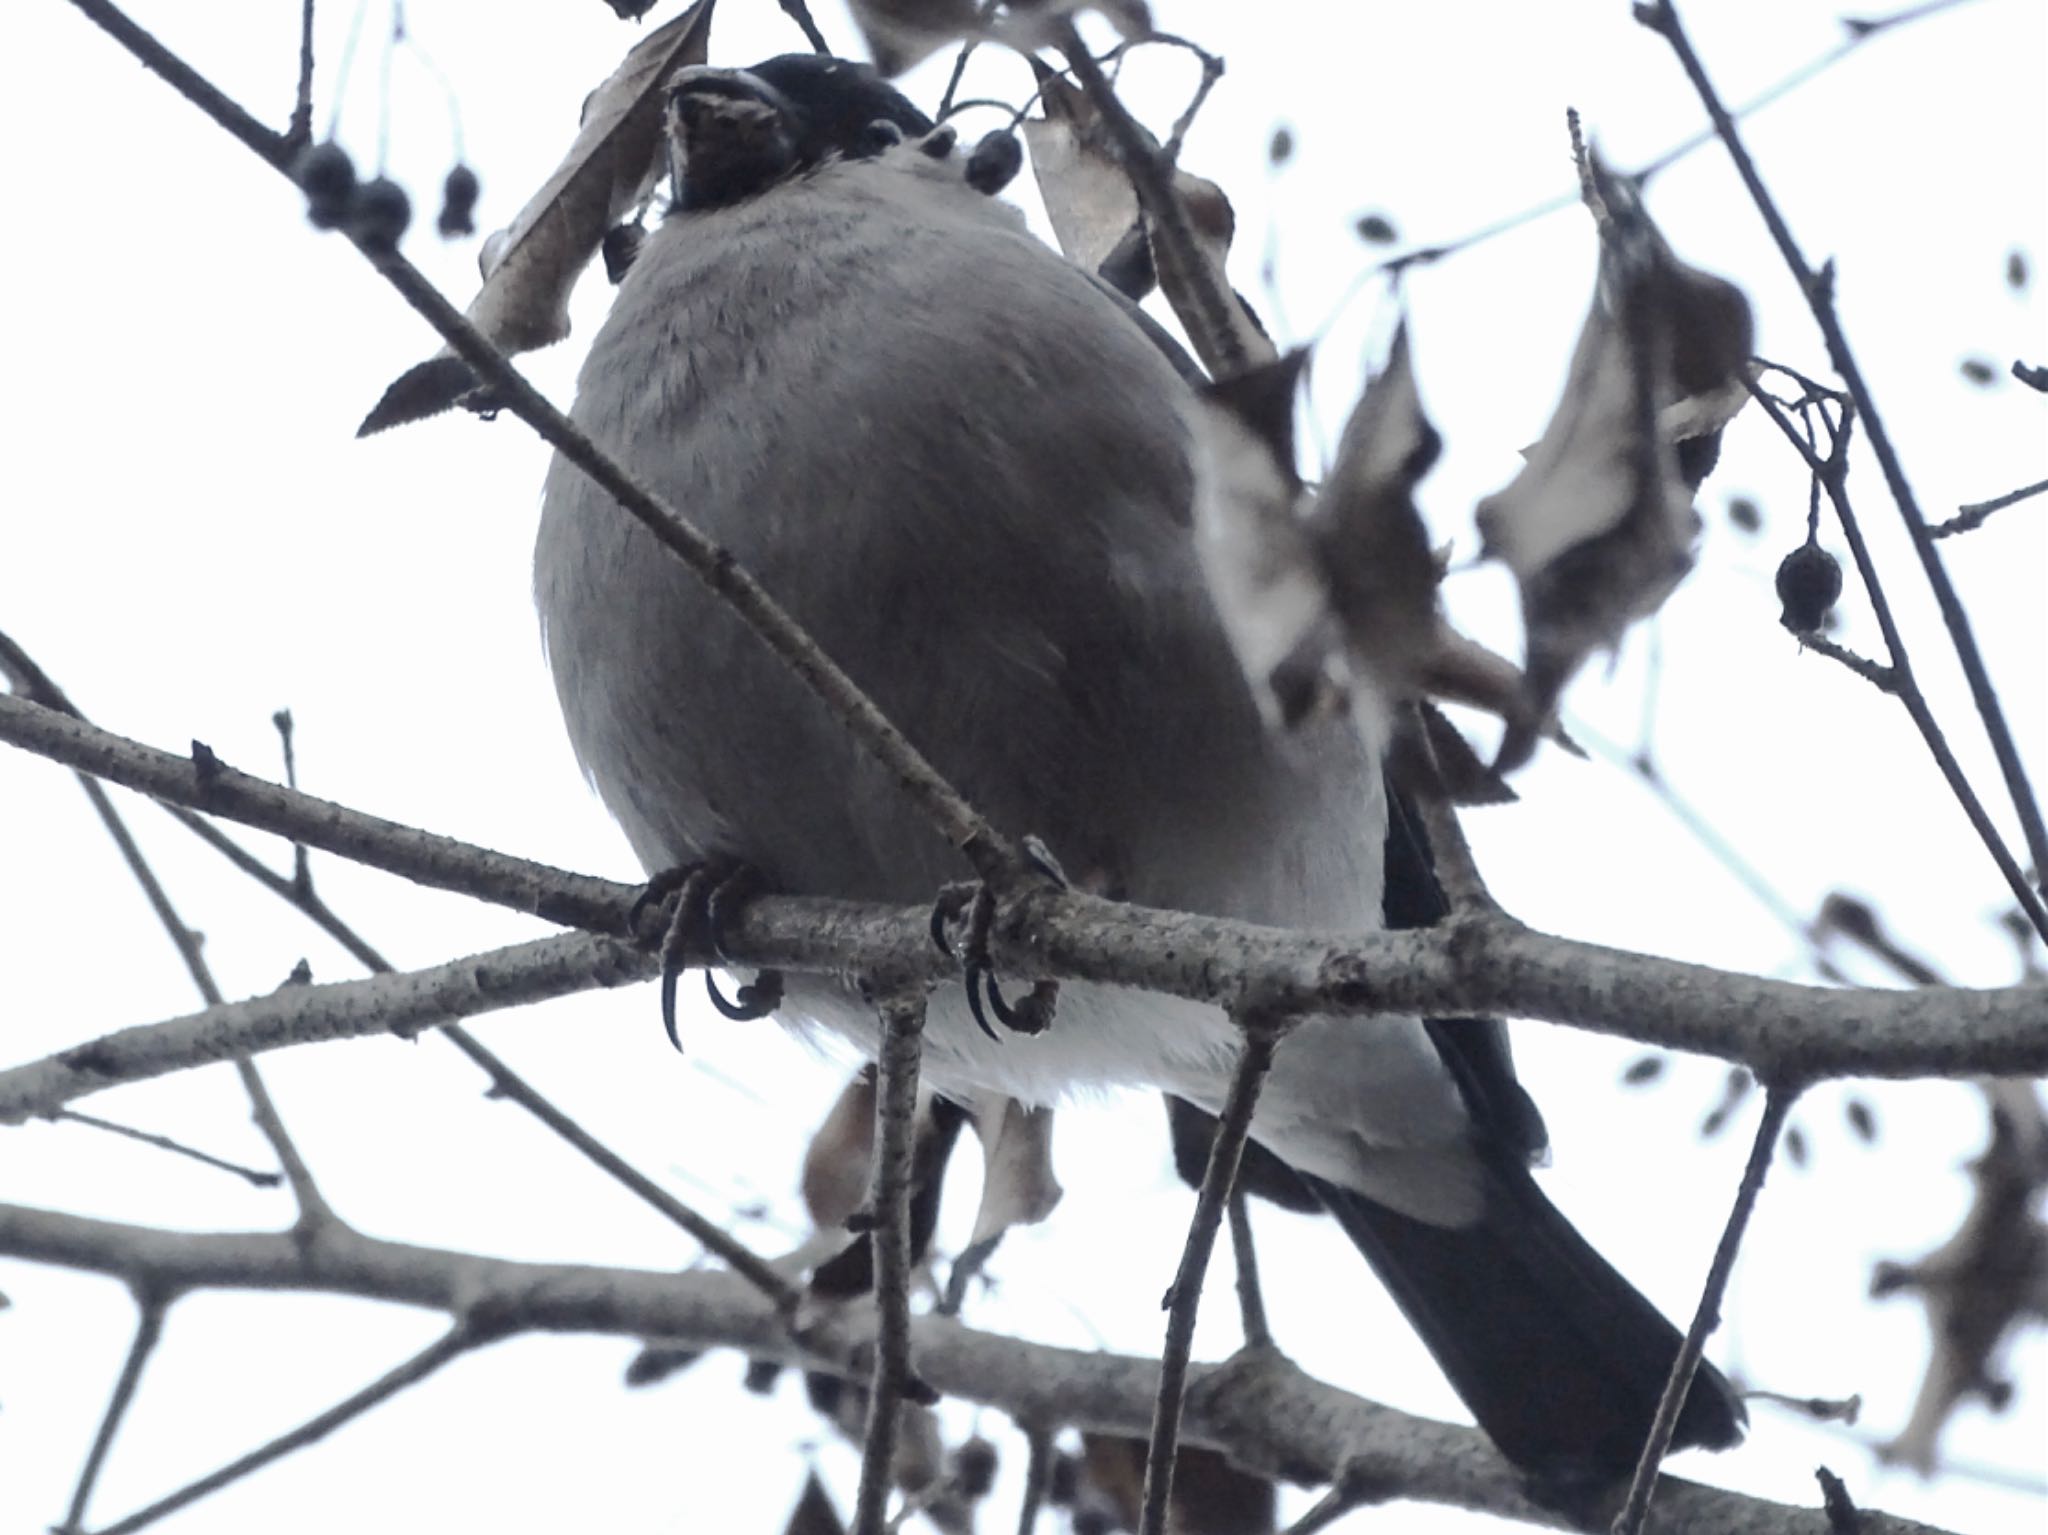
(1747, 516)
(1979, 372)
(1809, 581)
(940, 141)
(327, 176)
(995, 162)
(974, 1468)
(1376, 229)
(1643, 1069)
(458, 203)
(1280, 148)
(379, 212)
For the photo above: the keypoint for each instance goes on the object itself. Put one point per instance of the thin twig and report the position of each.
(149, 1328)
(1972, 514)
(256, 1177)
(203, 782)
(1427, 255)
(1355, 1486)
(800, 13)
(1212, 71)
(457, 1341)
(1643, 768)
(507, 1083)
(1832, 473)
(1818, 289)
(1457, 868)
(300, 132)
(1884, 678)
(1184, 1300)
(31, 679)
(1177, 253)
(902, 1015)
(1251, 1296)
(1037, 1479)
(1778, 1102)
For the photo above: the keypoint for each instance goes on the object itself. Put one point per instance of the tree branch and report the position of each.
(1273, 1421)
(1184, 1300)
(892, 1380)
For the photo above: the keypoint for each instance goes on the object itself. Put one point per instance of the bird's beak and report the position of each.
(731, 134)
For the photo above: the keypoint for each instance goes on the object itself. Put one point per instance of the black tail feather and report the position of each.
(1560, 1359)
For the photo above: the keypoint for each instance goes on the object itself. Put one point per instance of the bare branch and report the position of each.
(892, 1380)
(457, 1341)
(255, 1177)
(1251, 1300)
(1973, 514)
(1184, 1300)
(1274, 1421)
(1635, 1513)
(300, 132)
(149, 1328)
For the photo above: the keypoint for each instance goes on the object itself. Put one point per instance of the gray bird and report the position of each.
(961, 463)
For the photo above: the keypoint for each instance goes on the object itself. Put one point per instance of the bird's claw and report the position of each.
(977, 968)
(704, 895)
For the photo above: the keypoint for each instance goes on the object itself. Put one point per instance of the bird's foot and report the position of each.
(974, 905)
(701, 897)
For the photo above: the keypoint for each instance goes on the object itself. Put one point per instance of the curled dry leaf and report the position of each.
(1378, 566)
(1019, 1187)
(1599, 525)
(1210, 1496)
(901, 34)
(840, 1158)
(530, 266)
(1095, 216)
(1986, 1282)
(1256, 550)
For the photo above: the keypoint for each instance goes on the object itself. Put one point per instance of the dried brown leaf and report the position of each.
(1019, 1187)
(531, 265)
(902, 34)
(1599, 525)
(1381, 572)
(1094, 211)
(1256, 551)
(840, 1159)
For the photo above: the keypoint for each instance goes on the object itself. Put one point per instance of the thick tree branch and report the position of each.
(1484, 963)
(1260, 1411)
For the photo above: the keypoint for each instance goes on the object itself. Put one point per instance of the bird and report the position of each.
(963, 464)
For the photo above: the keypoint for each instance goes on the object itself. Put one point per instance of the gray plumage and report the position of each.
(961, 465)
(950, 455)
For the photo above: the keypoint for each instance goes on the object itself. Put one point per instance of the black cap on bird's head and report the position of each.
(734, 132)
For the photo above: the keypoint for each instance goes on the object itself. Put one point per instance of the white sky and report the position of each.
(193, 540)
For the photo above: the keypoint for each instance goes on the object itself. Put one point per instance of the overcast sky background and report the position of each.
(193, 539)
